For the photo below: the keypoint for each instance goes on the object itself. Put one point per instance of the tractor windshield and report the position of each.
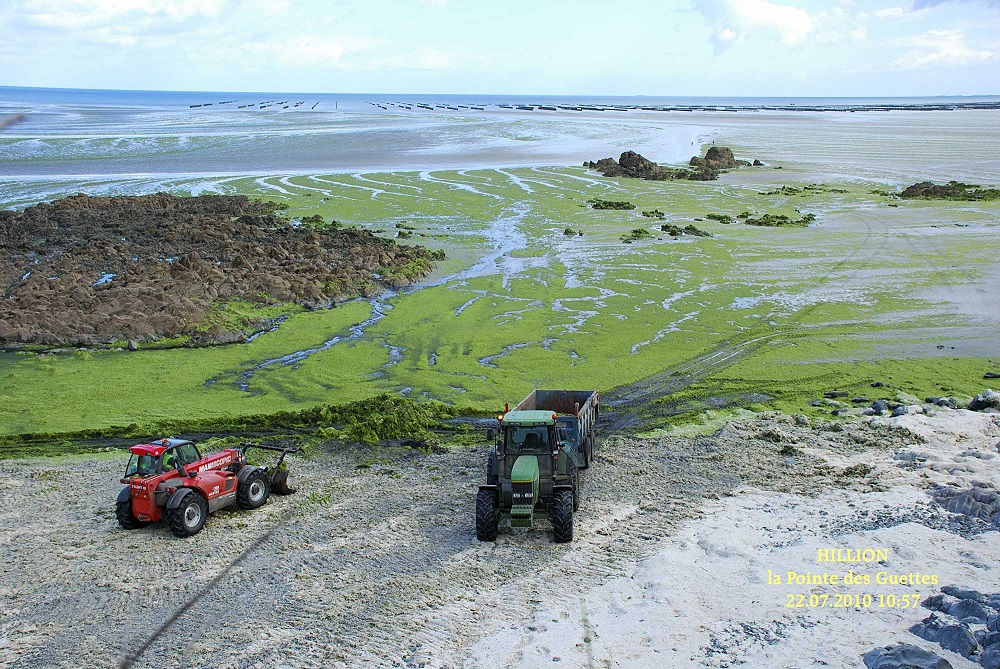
(528, 439)
(142, 465)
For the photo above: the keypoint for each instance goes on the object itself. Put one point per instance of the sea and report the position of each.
(140, 141)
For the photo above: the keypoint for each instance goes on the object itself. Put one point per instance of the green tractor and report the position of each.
(534, 468)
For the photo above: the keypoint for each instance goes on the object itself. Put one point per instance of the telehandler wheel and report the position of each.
(253, 491)
(562, 516)
(486, 516)
(188, 518)
(127, 519)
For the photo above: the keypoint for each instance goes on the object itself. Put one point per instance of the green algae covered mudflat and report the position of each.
(875, 290)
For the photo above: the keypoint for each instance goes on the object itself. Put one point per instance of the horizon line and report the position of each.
(561, 95)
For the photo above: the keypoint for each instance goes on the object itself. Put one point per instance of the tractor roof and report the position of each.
(156, 449)
(526, 418)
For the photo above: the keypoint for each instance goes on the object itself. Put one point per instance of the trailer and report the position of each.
(577, 412)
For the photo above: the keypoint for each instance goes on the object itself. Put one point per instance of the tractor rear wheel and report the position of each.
(562, 516)
(127, 519)
(189, 517)
(253, 491)
(486, 516)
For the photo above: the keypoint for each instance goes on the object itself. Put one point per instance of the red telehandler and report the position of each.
(171, 479)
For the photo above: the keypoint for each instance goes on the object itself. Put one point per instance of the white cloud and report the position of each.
(939, 47)
(839, 25)
(890, 12)
(738, 20)
(307, 50)
(113, 22)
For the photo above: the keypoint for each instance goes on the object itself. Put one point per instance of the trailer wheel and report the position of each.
(189, 516)
(588, 452)
(127, 519)
(562, 516)
(253, 491)
(576, 489)
(486, 516)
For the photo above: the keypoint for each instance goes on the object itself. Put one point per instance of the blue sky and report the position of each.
(628, 47)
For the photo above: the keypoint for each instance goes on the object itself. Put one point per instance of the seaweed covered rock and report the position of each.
(91, 271)
(953, 190)
(633, 165)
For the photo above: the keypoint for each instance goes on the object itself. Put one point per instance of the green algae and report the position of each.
(549, 309)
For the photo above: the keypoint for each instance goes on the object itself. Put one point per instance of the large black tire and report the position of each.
(588, 452)
(562, 516)
(253, 492)
(486, 516)
(189, 517)
(127, 519)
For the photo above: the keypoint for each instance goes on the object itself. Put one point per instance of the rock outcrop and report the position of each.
(717, 158)
(633, 165)
(953, 190)
(904, 656)
(986, 400)
(91, 271)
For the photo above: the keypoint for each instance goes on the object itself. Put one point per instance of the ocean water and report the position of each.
(74, 137)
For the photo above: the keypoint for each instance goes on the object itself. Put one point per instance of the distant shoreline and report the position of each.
(329, 102)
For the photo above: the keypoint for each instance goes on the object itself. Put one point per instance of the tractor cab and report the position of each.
(535, 439)
(163, 456)
(528, 432)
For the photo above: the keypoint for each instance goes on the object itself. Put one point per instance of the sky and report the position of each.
(530, 47)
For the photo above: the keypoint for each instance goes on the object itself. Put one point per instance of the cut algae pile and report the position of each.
(874, 289)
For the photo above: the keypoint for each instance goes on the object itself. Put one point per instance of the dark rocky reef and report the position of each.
(953, 190)
(92, 271)
(631, 164)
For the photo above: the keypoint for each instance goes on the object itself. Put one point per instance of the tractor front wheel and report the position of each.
(486, 516)
(562, 516)
(189, 517)
(127, 519)
(254, 490)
